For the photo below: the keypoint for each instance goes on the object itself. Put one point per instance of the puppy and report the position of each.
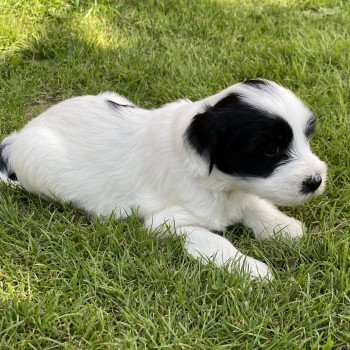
(197, 167)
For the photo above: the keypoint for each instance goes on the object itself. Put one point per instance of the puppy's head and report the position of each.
(258, 132)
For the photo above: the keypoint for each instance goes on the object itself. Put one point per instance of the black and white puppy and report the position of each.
(196, 166)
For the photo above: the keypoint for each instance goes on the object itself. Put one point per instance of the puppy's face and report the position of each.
(258, 133)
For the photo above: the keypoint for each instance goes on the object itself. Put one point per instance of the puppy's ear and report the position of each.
(207, 128)
(202, 136)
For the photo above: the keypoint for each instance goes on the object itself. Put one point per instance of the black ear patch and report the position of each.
(240, 139)
(231, 100)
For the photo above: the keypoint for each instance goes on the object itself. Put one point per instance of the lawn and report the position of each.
(69, 283)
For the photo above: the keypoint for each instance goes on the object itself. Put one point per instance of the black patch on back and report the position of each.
(3, 163)
(117, 105)
(258, 83)
(310, 126)
(240, 139)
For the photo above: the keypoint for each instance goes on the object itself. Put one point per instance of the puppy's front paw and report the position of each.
(282, 226)
(291, 228)
(256, 269)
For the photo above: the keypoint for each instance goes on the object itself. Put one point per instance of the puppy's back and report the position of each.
(80, 151)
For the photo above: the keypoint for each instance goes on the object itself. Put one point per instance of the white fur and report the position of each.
(109, 160)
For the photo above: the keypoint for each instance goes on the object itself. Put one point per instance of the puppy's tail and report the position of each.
(6, 173)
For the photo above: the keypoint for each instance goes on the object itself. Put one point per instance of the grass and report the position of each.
(67, 283)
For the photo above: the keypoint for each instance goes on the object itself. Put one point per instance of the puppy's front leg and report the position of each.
(266, 220)
(207, 246)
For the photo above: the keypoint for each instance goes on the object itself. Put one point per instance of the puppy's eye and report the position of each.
(271, 150)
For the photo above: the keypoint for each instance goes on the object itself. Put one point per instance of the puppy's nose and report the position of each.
(311, 184)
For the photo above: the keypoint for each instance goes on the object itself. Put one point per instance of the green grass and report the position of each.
(67, 283)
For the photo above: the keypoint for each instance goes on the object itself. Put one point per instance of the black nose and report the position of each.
(311, 184)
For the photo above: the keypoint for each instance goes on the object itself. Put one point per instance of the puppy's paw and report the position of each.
(291, 228)
(257, 269)
(254, 268)
(283, 226)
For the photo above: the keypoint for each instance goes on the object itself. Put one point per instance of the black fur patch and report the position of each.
(3, 164)
(310, 126)
(13, 177)
(258, 83)
(117, 105)
(240, 139)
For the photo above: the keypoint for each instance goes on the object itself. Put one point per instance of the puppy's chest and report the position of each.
(216, 211)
